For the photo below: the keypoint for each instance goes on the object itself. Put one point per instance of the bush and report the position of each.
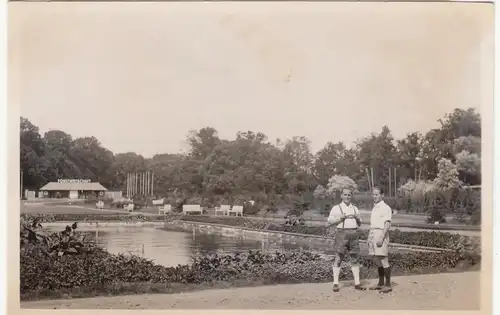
(99, 269)
(249, 209)
(436, 216)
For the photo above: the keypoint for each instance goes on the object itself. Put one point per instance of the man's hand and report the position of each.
(358, 219)
(380, 242)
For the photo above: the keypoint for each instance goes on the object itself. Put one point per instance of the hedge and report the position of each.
(97, 270)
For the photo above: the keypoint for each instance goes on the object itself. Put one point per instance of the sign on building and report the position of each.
(73, 181)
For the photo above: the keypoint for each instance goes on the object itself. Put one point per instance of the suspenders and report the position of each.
(342, 211)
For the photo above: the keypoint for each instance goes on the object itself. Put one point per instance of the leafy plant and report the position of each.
(66, 242)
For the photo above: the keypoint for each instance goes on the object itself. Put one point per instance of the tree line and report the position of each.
(254, 166)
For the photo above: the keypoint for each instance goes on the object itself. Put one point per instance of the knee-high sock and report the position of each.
(355, 273)
(336, 275)
(381, 276)
(387, 272)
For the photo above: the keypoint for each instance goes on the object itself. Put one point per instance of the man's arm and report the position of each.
(334, 218)
(387, 223)
(357, 216)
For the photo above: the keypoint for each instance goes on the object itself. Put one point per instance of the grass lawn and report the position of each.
(400, 220)
(60, 209)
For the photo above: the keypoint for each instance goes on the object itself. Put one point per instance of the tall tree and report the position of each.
(378, 152)
(202, 142)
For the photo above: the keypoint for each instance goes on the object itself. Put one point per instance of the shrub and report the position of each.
(99, 269)
(249, 209)
(436, 215)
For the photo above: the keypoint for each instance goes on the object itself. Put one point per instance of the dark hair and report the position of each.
(347, 188)
(380, 189)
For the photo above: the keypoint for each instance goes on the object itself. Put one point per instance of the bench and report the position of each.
(191, 209)
(224, 209)
(129, 207)
(164, 209)
(237, 210)
(158, 202)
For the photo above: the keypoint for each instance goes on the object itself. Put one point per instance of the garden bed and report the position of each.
(101, 273)
(63, 264)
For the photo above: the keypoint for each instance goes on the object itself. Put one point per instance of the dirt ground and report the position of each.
(458, 291)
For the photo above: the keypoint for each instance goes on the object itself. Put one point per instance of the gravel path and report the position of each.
(458, 291)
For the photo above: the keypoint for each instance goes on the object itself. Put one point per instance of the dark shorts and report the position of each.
(347, 242)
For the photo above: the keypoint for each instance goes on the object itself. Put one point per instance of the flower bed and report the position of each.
(98, 270)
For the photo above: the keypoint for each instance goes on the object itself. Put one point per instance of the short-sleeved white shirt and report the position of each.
(381, 213)
(336, 213)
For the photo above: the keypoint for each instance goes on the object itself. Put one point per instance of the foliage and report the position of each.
(419, 188)
(66, 260)
(469, 166)
(337, 183)
(251, 165)
(447, 176)
(320, 192)
(470, 144)
(99, 270)
(66, 242)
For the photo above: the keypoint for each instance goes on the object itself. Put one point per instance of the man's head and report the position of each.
(346, 195)
(378, 194)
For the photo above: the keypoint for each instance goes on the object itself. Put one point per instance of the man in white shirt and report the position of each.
(345, 216)
(378, 240)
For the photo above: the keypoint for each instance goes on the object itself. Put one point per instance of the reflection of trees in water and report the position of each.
(203, 244)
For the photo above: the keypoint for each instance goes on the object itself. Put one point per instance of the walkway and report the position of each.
(458, 291)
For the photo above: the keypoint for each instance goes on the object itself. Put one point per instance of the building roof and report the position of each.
(54, 186)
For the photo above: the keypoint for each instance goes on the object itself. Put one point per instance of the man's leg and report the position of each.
(354, 251)
(387, 273)
(340, 249)
(336, 271)
(380, 270)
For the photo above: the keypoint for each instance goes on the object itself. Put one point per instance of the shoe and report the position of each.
(386, 289)
(359, 287)
(335, 288)
(377, 287)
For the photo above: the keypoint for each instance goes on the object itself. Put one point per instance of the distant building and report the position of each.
(72, 189)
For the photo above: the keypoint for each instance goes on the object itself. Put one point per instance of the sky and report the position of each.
(139, 76)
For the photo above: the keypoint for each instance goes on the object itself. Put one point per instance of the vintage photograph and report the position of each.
(184, 155)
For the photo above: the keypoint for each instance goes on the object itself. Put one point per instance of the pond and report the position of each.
(171, 248)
